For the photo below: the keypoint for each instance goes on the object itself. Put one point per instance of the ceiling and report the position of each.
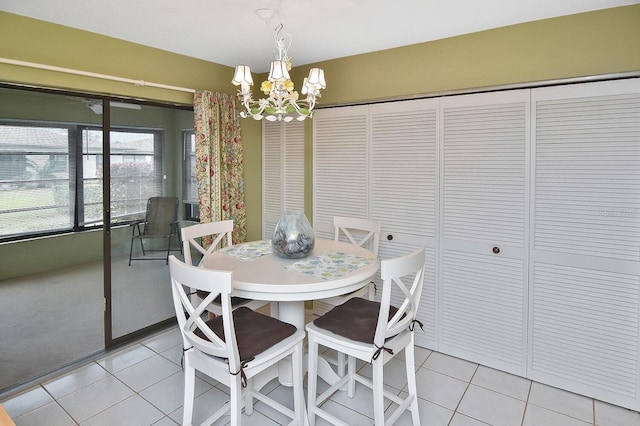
(230, 32)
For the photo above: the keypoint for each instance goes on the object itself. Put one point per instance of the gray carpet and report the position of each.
(52, 319)
(141, 295)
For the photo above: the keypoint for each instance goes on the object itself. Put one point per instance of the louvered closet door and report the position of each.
(585, 251)
(340, 166)
(403, 191)
(282, 171)
(483, 286)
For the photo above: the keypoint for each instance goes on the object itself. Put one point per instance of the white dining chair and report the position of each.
(220, 235)
(380, 332)
(363, 233)
(233, 348)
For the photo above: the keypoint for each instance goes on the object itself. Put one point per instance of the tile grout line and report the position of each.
(455, 410)
(526, 403)
(106, 408)
(135, 393)
(58, 404)
(164, 354)
(138, 393)
(575, 417)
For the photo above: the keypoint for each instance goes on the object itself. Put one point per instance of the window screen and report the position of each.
(35, 190)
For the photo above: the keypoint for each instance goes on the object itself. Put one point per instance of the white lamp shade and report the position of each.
(282, 102)
(242, 76)
(278, 71)
(316, 78)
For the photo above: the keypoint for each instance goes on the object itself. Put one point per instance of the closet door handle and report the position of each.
(496, 250)
(389, 237)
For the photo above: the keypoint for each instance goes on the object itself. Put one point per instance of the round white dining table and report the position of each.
(266, 277)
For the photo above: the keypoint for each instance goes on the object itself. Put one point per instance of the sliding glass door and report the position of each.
(140, 139)
(51, 257)
(145, 155)
(76, 173)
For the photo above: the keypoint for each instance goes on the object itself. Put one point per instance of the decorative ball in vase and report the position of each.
(293, 237)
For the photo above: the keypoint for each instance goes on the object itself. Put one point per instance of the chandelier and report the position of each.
(282, 102)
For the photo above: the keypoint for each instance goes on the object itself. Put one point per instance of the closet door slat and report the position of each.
(282, 171)
(485, 189)
(404, 191)
(585, 245)
(340, 166)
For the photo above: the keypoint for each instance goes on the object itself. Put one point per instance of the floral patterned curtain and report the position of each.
(219, 161)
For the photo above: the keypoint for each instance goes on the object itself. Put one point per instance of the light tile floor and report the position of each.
(142, 385)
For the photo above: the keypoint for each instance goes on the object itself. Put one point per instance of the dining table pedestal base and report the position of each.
(293, 313)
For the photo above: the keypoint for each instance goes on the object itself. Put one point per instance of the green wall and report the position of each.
(576, 46)
(589, 44)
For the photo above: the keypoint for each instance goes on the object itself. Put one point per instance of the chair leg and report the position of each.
(378, 392)
(235, 397)
(179, 237)
(133, 233)
(273, 309)
(351, 371)
(248, 397)
(298, 392)
(312, 379)
(409, 355)
(144, 253)
(189, 390)
(341, 364)
(168, 249)
(175, 230)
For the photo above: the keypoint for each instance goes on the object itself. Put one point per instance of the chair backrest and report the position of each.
(189, 310)
(361, 232)
(406, 274)
(162, 214)
(216, 230)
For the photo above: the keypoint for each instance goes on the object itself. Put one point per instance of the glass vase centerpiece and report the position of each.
(293, 237)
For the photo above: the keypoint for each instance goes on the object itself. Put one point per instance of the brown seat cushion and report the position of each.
(355, 319)
(255, 332)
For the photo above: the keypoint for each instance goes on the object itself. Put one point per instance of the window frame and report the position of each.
(75, 175)
(104, 123)
(158, 172)
(191, 206)
(70, 147)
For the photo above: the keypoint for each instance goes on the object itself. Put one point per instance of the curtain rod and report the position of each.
(141, 83)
